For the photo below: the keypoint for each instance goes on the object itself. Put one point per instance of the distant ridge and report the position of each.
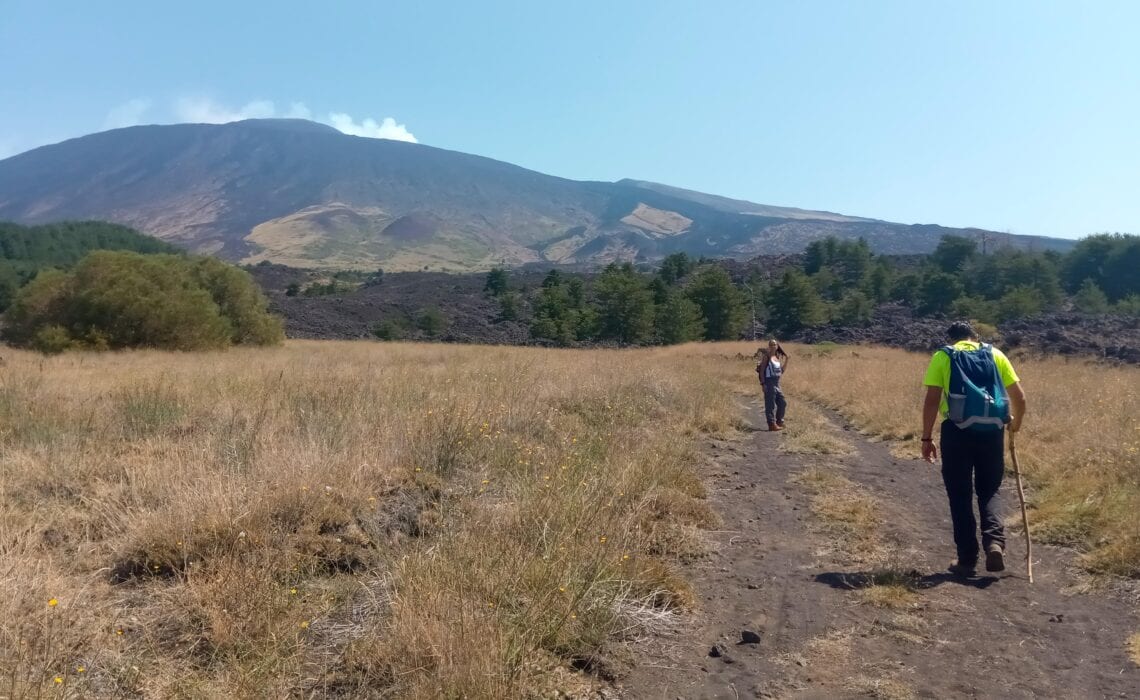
(304, 194)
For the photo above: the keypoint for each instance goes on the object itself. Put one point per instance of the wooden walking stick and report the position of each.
(1024, 514)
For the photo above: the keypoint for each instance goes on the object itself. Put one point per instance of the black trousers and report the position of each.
(973, 461)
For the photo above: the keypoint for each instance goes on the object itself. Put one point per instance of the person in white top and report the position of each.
(773, 363)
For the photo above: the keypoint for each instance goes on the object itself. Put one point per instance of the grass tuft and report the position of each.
(846, 512)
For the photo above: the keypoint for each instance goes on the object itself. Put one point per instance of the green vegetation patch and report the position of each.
(115, 300)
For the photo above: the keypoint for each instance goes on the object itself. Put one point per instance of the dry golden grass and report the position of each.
(345, 518)
(1133, 645)
(1079, 448)
(890, 595)
(846, 512)
(810, 433)
(880, 687)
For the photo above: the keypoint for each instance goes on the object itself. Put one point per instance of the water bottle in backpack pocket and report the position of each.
(977, 399)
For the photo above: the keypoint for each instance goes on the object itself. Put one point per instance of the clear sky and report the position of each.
(1019, 116)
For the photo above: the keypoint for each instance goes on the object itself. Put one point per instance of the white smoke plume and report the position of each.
(201, 110)
(387, 128)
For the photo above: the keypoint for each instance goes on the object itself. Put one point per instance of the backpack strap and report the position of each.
(952, 386)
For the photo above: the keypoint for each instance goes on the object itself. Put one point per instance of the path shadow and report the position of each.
(855, 580)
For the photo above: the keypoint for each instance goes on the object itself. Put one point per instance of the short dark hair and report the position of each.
(960, 330)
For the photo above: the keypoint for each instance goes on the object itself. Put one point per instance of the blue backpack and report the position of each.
(977, 398)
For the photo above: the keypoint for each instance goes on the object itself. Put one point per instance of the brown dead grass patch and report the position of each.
(833, 648)
(811, 433)
(846, 513)
(1133, 646)
(347, 518)
(893, 596)
(884, 687)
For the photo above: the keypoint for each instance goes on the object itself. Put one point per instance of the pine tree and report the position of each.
(497, 282)
(794, 304)
(855, 309)
(678, 320)
(721, 303)
(625, 307)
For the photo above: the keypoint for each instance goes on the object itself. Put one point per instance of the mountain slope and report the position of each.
(304, 194)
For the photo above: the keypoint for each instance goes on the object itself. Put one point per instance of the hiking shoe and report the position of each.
(773, 427)
(995, 558)
(962, 569)
(780, 424)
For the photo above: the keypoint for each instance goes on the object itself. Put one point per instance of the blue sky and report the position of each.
(1018, 116)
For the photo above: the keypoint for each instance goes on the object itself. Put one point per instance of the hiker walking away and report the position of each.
(975, 388)
(773, 363)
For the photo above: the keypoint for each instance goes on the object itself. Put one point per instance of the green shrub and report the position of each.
(388, 329)
(510, 304)
(330, 288)
(1090, 299)
(51, 340)
(987, 332)
(855, 309)
(1129, 305)
(1019, 302)
(431, 321)
(975, 308)
(121, 300)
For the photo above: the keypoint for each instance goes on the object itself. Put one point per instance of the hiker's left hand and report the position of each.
(929, 451)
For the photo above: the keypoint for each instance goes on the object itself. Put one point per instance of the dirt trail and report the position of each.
(779, 568)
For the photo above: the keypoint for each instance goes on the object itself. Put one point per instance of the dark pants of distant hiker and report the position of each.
(973, 461)
(774, 403)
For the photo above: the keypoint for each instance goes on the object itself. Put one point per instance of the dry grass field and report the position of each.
(349, 519)
(1079, 447)
(364, 519)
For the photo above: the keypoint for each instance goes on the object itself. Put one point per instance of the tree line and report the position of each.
(62, 295)
(684, 300)
(25, 250)
(839, 282)
(843, 282)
